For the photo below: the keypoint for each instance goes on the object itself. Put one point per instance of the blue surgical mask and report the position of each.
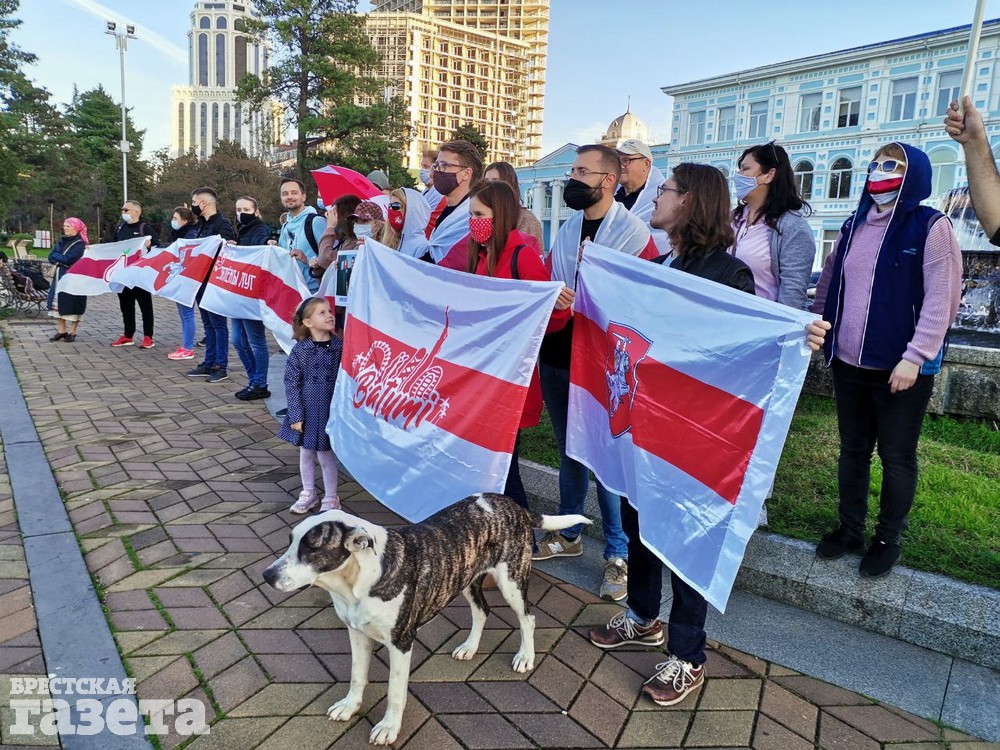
(175, 225)
(362, 230)
(743, 185)
(425, 176)
(126, 217)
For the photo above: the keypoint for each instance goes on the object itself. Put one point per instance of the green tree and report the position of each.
(323, 69)
(468, 132)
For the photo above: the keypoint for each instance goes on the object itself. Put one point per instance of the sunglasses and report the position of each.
(886, 165)
(396, 206)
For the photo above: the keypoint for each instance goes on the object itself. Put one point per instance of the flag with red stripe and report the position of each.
(434, 376)
(91, 274)
(257, 283)
(681, 394)
(175, 272)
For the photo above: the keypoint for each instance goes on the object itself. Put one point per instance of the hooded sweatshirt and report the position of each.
(892, 286)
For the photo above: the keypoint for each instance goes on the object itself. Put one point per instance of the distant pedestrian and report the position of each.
(248, 336)
(69, 308)
(129, 227)
(310, 375)
(184, 226)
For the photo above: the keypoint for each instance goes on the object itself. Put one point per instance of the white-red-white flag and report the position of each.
(434, 376)
(175, 272)
(260, 282)
(90, 275)
(681, 393)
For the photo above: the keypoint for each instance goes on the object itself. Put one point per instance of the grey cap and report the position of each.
(378, 179)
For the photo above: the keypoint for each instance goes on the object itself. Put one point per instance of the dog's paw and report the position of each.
(384, 733)
(343, 709)
(465, 651)
(523, 663)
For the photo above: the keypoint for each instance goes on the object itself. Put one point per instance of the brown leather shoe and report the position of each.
(622, 631)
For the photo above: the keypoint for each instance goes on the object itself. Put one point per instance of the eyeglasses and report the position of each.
(663, 189)
(396, 206)
(442, 166)
(626, 160)
(127, 208)
(886, 165)
(578, 172)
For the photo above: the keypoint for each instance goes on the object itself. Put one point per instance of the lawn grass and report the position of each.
(955, 521)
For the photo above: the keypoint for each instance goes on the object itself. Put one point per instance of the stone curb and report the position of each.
(928, 610)
(76, 639)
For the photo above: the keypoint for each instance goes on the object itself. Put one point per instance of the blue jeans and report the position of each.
(216, 339)
(574, 477)
(686, 629)
(250, 343)
(187, 325)
(514, 487)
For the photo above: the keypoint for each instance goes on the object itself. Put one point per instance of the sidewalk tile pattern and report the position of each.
(179, 495)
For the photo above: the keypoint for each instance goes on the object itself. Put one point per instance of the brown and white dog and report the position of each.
(386, 583)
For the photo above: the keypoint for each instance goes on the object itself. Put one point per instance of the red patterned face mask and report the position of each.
(481, 229)
(396, 218)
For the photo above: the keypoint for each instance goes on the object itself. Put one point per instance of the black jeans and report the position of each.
(868, 414)
(514, 488)
(126, 301)
(686, 629)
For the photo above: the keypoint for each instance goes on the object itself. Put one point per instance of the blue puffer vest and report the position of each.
(898, 284)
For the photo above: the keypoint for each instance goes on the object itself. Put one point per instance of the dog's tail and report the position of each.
(557, 523)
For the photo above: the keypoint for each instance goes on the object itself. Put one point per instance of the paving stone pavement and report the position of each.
(179, 495)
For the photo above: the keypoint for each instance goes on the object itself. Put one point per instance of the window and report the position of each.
(220, 59)
(237, 124)
(240, 58)
(256, 60)
(829, 238)
(726, 129)
(804, 179)
(840, 179)
(180, 127)
(944, 169)
(758, 120)
(226, 132)
(811, 108)
(849, 107)
(215, 122)
(948, 90)
(696, 128)
(205, 23)
(220, 22)
(203, 59)
(203, 130)
(904, 99)
(192, 125)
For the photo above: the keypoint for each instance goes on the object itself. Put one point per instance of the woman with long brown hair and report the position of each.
(498, 249)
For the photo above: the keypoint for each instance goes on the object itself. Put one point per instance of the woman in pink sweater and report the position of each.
(890, 289)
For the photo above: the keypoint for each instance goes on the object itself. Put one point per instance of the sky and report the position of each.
(600, 53)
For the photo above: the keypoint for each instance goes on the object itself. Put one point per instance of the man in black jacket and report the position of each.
(215, 367)
(129, 227)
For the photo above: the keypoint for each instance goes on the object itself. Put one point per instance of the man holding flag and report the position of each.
(129, 227)
(458, 167)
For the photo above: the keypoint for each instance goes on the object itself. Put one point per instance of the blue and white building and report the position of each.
(831, 112)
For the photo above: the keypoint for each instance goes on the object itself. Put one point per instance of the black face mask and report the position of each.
(245, 219)
(196, 210)
(579, 195)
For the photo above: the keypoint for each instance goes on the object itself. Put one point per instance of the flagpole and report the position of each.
(970, 61)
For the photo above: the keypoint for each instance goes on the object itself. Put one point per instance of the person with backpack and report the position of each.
(129, 227)
(302, 229)
(498, 249)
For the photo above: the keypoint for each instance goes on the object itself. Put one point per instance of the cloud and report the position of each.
(145, 34)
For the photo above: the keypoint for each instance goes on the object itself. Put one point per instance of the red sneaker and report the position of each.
(147, 342)
(122, 341)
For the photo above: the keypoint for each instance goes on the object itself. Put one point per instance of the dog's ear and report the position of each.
(358, 540)
(323, 535)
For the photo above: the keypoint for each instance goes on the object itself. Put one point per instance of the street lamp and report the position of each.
(121, 42)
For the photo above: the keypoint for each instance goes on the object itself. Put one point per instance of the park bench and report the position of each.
(31, 302)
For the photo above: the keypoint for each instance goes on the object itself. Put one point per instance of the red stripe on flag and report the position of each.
(478, 408)
(702, 430)
(253, 282)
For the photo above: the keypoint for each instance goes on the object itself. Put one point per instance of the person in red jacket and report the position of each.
(498, 249)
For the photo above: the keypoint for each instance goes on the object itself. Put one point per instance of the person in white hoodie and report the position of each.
(638, 185)
(407, 217)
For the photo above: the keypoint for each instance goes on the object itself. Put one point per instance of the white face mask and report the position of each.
(425, 176)
(743, 185)
(362, 230)
(126, 217)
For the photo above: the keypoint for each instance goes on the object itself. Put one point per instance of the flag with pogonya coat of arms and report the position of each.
(681, 394)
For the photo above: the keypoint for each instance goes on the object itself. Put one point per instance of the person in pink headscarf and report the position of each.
(68, 308)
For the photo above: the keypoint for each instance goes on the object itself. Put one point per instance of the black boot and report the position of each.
(838, 543)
